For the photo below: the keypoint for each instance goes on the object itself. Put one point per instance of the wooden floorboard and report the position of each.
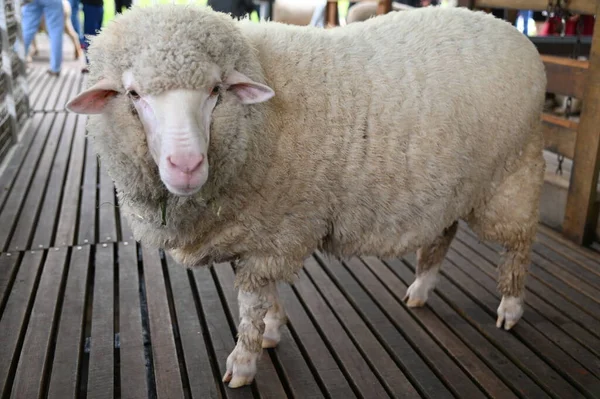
(85, 311)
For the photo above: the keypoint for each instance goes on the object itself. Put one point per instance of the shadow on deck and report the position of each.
(85, 311)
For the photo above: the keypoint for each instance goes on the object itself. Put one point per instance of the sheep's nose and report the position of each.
(186, 164)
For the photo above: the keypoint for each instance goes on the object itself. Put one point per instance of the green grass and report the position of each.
(109, 8)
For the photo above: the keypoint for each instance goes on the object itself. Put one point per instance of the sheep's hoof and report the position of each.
(241, 368)
(509, 312)
(418, 292)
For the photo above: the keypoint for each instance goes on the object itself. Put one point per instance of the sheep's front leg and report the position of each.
(274, 319)
(241, 363)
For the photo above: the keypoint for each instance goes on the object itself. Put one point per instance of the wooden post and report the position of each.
(384, 6)
(581, 212)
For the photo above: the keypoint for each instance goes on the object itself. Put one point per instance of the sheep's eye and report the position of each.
(133, 94)
(214, 91)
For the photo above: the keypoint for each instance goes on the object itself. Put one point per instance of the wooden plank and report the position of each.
(310, 342)
(571, 359)
(565, 76)
(581, 212)
(212, 316)
(39, 217)
(8, 270)
(23, 230)
(69, 341)
(107, 229)
(466, 358)
(52, 86)
(45, 226)
(560, 135)
(87, 217)
(577, 6)
(569, 318)
(101, 379)
(299, 377)
(14, 202)
(568, 253)
(442, 365)
(378, 358)
(67, 221)
(363, 379)
(474, 338)
(126, 233)
(465, 267)
(203, 382)
(35, 91)
(562, 296)
(164, 353)
(20, 164)
(538, 369)
(8, 175)
(34, 75)
(132, 359)
(591, 277)
(565, 242)
(16, 315)
(578, 279)
(63, 85)
(36, 354)
(72, 85)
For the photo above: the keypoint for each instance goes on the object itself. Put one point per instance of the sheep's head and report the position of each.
(172, 66)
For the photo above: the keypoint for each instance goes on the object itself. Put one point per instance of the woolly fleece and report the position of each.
(381, 135)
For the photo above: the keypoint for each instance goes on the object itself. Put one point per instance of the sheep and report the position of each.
(372, 139)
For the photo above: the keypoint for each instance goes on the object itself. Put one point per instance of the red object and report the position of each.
(587, 29)
(552, 26)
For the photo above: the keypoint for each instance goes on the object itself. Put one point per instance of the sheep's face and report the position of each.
(176, 122)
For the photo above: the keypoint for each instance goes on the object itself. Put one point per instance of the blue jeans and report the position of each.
(55, 19)
(92, 23)
(75, 18)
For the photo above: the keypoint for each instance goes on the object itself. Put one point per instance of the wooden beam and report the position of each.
(560, 135)
(577, 6)
(581, 212)
(566, 76)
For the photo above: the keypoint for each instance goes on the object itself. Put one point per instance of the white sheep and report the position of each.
(369, 139)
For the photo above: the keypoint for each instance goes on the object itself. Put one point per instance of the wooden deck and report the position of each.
(84, 311)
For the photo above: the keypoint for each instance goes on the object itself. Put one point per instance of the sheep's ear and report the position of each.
(247, 90)
(94, 99)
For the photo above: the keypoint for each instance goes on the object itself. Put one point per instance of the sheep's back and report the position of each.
(404, 119)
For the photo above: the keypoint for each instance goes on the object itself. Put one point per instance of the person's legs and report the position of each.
(75, 17)
(55, 25)
(92, 22)
(31, 14)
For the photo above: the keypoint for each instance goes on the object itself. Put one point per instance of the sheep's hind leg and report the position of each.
(510, 218)
(429, 261)
(274, 319)
(241, 363)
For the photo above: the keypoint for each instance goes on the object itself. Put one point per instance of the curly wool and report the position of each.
(381, 134)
